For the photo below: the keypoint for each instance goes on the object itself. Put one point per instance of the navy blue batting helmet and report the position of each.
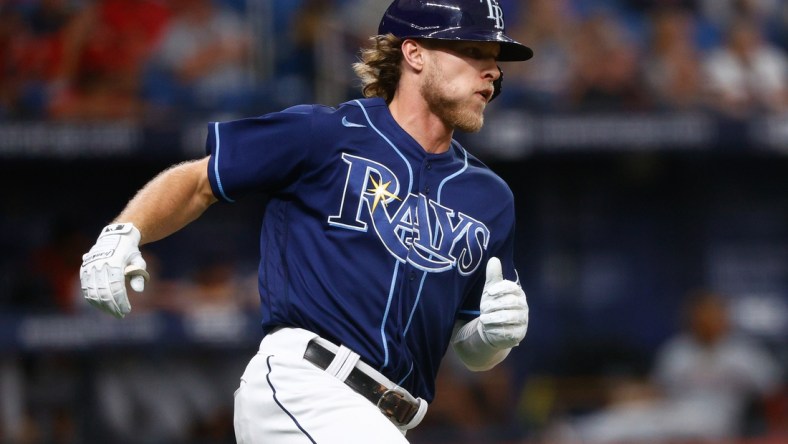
(465, 20)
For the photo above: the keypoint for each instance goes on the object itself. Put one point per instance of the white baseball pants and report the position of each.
(285, 399)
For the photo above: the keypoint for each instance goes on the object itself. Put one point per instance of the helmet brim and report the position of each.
(511, 50)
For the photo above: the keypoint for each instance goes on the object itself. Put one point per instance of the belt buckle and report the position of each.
(390, 403)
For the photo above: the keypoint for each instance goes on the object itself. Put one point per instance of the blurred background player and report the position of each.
(704, 382)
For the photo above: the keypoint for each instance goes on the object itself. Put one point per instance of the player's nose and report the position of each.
(490, 71)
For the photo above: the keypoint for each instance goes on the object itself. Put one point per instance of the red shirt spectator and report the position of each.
(106, 49)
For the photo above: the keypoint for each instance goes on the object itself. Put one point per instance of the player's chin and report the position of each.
(469, 124)
(470, 120)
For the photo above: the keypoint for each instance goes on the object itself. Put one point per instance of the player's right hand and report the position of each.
(114, 257)
(504, 309)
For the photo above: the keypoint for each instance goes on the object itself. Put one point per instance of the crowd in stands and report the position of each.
(121, 59)
(721, 56)
(154, 59)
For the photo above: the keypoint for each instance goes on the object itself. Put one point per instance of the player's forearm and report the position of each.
(170, 201)
(473, 351)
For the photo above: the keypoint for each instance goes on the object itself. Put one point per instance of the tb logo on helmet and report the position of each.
(495, 13)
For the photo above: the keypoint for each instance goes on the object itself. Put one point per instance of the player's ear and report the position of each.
(413, 54)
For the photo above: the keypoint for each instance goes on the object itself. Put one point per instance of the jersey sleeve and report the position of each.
(263, 154)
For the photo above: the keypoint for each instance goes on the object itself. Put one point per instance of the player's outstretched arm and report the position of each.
(166, 204)
(170, 201)
(487, 340)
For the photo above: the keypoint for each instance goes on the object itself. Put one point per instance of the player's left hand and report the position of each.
(105, 268)
(504, 310)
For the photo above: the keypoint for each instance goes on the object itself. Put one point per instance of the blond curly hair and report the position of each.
(379, 67)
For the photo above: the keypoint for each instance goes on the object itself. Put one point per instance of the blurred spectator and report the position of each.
(606, 67)
(546, 26)
(748, 74)
(703, 383)
(723, 13)
(672, 66)
(768, 15)
(203, 63)
(31, 49)
(105, 48)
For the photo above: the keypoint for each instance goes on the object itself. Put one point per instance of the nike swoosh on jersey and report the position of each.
(351, 124)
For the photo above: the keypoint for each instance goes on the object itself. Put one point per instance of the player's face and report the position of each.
(458, 81)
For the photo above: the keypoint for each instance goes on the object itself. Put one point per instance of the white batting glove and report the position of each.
(504, 310)
(115, 257)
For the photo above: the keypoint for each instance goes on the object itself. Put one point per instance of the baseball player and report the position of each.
(383, 243)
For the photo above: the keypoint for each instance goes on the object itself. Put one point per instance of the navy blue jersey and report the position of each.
(367, 239)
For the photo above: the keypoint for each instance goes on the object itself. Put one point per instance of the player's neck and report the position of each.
(420, 123)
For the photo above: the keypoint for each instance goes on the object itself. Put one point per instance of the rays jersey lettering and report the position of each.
(413, 228)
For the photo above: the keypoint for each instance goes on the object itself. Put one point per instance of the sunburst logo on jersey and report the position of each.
(381, 192)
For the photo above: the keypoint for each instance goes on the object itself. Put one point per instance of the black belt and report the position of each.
(392, 403)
